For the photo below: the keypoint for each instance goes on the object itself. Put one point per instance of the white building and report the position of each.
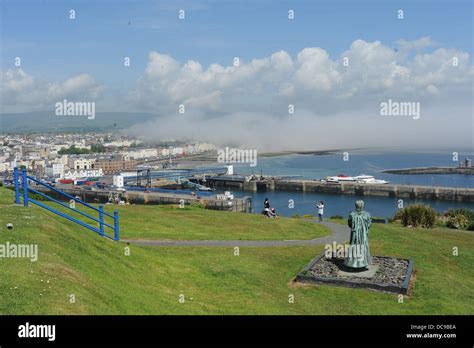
(5, 166)
(119, 143)
(205, 147)
(143, 153)
(83, 173)
(55, 170)
(165, 152)
(118, 180)
(177, 151)
(80, 163)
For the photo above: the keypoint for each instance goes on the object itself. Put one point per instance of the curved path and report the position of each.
(340, 233)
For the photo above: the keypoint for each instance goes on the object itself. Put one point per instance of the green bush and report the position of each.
(458, 221)
(199, 205)
(417, 215)
(460, 218)
(463, 211)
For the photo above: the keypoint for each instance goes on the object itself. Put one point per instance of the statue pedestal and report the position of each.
(388, 274)
(367, 273)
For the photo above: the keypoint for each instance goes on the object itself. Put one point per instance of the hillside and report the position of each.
(47, 121)
(73, 260)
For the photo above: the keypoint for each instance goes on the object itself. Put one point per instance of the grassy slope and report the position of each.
(149, 281)
(171, 222)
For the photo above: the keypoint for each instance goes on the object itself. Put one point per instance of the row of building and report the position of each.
(42, 155)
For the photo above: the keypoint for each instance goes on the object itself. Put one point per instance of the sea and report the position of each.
(355, 163)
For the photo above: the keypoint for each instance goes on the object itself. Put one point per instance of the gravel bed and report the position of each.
(391, 271)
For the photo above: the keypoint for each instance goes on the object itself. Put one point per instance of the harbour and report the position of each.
(282, 179)
(346, 188)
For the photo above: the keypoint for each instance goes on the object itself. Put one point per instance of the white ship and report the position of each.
(340, 178)
(360, 179)
(369, 179)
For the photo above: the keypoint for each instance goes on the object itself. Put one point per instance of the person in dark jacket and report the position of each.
(266, 204)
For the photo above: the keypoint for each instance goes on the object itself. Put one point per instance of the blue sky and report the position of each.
(52, 46)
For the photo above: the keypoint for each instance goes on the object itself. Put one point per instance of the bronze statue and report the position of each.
(359, 256)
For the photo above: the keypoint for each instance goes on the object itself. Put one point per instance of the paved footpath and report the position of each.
(340, 234)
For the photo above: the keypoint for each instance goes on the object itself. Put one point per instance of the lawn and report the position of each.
(194, 223)
(170, 222)
(104, 280)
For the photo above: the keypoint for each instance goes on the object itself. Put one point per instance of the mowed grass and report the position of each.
(103, 280)
(170, 222)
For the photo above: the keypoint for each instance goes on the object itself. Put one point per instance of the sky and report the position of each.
(282, 62)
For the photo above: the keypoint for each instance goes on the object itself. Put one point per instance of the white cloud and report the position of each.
(315, 71)
(374, 70)
(22, 92)
(334, 103)
(405, 47)
(248, 104)
(75, 87)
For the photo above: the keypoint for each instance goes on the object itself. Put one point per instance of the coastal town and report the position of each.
(71, 156)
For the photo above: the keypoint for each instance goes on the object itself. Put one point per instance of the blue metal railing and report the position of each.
(102, 214)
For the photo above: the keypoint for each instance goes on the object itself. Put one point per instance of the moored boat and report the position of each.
(360, 179)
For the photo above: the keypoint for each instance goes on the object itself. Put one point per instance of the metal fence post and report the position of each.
(24, 180)
(101, 219)
(116, 225)
(17, 185)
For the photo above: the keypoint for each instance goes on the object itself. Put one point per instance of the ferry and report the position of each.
(360, 179)
(340, 178)
(369, 179)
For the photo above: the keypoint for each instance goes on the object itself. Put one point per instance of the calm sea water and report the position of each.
(314, 167)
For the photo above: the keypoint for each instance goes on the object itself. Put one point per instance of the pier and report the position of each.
(458, 194)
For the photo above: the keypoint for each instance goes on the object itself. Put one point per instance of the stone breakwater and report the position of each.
(458, 194)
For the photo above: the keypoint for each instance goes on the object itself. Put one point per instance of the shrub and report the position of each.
(199, 205)
(469, 214)
(460, 218)
(458, 221)
(417, 215)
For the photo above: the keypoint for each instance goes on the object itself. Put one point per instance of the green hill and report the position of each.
(48, 122)
(73, 260)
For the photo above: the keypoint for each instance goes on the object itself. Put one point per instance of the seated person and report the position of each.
(273, 213)
(266, 212)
